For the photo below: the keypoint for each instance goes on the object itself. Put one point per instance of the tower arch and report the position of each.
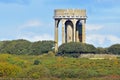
(79, 31)
(68, 31)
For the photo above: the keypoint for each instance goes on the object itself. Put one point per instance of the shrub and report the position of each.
(8, 70)
(114, 49)
(101, 50)
(75, 49)
(36, 62)
(26, 47)
(36, 72)
(41, 47)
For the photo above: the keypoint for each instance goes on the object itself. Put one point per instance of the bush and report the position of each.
(36, 72)
(15, 46)
(36, 62)
(41, 47)
(75, 49)
(8, 70)
(114, 49)
(26, 47)
(101, 50)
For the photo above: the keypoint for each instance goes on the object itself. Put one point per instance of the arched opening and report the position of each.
(79, 31)
(68, 31)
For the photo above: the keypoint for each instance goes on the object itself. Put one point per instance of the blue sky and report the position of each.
(33, 19)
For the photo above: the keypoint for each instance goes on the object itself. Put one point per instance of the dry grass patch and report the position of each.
(98, 56)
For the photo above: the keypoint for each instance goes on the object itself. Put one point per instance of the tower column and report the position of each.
(56, 35)
(74, 29)
(63, 31)
(83, 31)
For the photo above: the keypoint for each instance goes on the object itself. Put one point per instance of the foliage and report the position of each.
(37, 71)
(26, 47)
(114, 49)
(15, 47)
(57, 68)
(76, 48)
(8, 70)
(73, 49)
(41, 47)
(36, 62)
(101, 50)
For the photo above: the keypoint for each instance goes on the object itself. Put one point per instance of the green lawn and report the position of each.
(50, 67)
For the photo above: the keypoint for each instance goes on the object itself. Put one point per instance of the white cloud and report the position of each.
(95, 38)
(91, 27)
(4, 39)
(31, 23)
(24, 33)
(34, 37)
(28, 24)
(102, 40)
(114, 39)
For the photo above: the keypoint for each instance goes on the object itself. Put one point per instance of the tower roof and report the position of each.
(70, 13)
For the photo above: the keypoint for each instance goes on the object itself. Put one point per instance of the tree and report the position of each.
(76, 48)
(41, 47)
(26, 47)
(15, 47)
(114, 49)
(101, 50)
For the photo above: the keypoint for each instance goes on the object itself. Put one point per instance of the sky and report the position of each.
(33, 20)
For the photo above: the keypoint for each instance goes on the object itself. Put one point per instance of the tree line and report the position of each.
(74, 49)
(22, 46)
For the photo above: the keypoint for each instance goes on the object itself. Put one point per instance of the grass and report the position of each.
(99, 56)
(51, 67)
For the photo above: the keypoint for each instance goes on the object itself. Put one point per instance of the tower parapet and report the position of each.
(69, 13)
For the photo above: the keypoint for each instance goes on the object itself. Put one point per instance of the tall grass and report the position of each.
(59, 68)
(99, 56)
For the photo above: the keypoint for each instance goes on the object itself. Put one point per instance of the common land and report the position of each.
(25, 60)
(51, 67)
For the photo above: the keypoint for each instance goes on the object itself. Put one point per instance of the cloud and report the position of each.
(32, 30)
(5, 39)
(100, 40)
(113, 39)
(31, 23)
(35, 37)
(15, 1)
(91, 27)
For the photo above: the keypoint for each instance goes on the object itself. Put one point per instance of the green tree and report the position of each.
(76, 48)
(114, 49)
(41, 47)
(101, 50)
(26, 47)
(15, 47)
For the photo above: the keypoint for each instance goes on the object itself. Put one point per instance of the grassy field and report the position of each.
(50, 67)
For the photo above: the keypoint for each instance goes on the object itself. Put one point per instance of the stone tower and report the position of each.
(73, 25)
